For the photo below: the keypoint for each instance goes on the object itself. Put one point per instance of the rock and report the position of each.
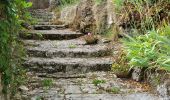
(68, 14)
(137, 74)
(84, 19)
(23, 88)
(104, 40)
(164, 89)
(88, 16)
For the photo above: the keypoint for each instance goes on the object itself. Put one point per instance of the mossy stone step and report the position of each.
(50, 34)
(75, 65)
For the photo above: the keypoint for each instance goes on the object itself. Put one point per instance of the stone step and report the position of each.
(43, 14)
(44, 23)
(50, 34)
(43, 20)
(43, 17)
(49, 27)
(69, 51)
(85, 88)
(71, 65)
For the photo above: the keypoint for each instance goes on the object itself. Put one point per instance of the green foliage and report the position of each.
(68, 2)
(72, 46)
(47, 83)
(120, 66)
(97, 82)
(143, 15)
(98, 1)
(12, 13)
(150, 50)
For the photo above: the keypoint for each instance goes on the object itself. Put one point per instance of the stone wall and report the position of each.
(40, 4)
(87, 16)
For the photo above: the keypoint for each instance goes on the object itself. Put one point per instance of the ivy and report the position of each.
(12, 13)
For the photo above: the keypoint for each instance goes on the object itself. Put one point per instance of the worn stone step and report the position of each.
(44, 23)
(84, 88)
(54, 43)
(49, 27)
(43, 20)
(43, 14)
(77, 51)
(50, 34)
(72, 65)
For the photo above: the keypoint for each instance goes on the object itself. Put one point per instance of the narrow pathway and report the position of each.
(62, 67)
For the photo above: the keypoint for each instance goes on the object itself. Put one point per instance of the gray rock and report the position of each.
(137, 74)
(23, 88)
(164, 89)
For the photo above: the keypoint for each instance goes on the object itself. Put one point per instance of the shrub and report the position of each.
(12, 14)
(150, 50)
(143, 15)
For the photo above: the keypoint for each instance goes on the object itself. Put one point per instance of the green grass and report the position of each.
(97, 82)
(72, 46)
(65, 3)
(47, 83)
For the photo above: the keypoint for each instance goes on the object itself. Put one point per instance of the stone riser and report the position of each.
(50, 36)
(60, 53)
(53, 67)
(76, 65)
(49, 27)
(43, 20)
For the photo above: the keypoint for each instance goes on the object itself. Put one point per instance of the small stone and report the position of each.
(23, 88)
(137, 74)
(164, 89)
(106, 40)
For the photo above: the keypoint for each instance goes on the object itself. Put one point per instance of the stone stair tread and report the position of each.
(59, 43)
(49, 27)
(37, 60)
(66, 51)
(66, 31)
(51, 34)
(43, 23)
(78, 48)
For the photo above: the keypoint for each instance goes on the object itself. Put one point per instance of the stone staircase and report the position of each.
(59, 54)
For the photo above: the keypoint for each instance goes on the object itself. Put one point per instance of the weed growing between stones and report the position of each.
(96, 82)
(72, 46)
(47, 83)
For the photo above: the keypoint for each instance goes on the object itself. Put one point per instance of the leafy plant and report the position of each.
(68, 2)
(120, 66)
(98, 1)
(142, 15)
(149, 51)
(47, 83)
(97, 82)
(72, 46)
(12, 14)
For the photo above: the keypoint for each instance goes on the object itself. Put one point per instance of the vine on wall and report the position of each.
(12, 14)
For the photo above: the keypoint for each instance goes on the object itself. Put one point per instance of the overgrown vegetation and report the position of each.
(12, 14)
(147, 43)
(143, 15)
(68, 2)
(150, 50)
